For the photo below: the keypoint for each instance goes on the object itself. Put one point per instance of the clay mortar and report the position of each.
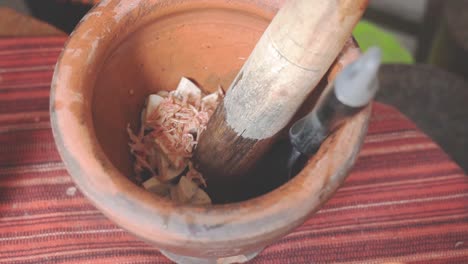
(124, 50)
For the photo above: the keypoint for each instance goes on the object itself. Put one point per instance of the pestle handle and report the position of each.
(290, 59)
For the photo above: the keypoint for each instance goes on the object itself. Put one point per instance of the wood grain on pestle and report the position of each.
(291, 57)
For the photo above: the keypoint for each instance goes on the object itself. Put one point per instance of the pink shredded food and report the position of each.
(172, 130)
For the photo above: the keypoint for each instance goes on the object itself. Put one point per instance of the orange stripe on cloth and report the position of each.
(404, 201)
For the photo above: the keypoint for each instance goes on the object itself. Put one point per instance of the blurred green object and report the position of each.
(368, 34)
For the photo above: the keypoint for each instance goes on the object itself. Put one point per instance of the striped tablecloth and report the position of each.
(405, 200)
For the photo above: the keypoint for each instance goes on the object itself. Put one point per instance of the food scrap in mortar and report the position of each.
(171, 124)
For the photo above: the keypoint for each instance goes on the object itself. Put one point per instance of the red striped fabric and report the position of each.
(405, 200)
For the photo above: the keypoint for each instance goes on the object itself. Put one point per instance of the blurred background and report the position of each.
(425, 45)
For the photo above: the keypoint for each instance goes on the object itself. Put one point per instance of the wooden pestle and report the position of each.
(291, 57)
